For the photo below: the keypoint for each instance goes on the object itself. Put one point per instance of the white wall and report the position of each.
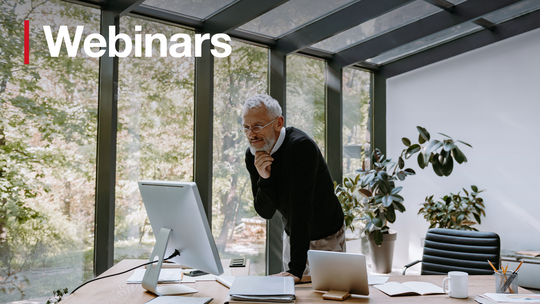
(490, 98)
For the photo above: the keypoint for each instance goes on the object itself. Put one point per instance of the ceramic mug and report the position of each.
(458, 284)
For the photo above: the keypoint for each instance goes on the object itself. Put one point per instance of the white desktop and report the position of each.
(179, 222)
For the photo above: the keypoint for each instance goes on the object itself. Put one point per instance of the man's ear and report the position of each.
(280, 123)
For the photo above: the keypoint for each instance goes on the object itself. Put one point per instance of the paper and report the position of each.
(507, 298)
(177, 299)
(206, 277)
(165, 276)
(262, 286)
(409, 288)
(226, 281)
(374, 280)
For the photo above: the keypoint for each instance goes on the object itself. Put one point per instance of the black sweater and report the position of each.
(301, 189)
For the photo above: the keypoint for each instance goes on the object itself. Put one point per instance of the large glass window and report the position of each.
(305, 96)
(237, 228)
(48, 115)
(356, 104)
(155, 132)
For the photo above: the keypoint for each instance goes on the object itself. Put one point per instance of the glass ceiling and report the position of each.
(200, 9)
(292, 15)
(463, 29)
(397, 18)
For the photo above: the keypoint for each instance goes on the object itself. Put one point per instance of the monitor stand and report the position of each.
(151, 275)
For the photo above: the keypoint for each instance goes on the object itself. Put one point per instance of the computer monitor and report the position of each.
(339, 271)
(179, 222)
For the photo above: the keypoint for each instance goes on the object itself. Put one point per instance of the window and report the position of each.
(48, 116)
(237, 228)
(155, 132)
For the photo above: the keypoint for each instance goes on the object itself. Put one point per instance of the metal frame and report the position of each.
(334, 120)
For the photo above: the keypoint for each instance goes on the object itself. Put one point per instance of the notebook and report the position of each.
(262, 289)
(409, 288)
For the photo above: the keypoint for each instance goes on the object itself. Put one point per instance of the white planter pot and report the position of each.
(382, 256)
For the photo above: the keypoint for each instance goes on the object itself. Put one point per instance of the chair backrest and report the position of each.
(459, 250)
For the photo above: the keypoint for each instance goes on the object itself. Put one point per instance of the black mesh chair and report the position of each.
(459, 250)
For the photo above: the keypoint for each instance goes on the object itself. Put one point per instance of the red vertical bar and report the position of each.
(26, 41)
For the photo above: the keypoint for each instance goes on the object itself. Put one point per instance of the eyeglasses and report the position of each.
(256, 129)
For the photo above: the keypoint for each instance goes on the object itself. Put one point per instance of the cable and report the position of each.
(175, 253)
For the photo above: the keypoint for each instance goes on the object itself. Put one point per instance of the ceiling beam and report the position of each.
(162, 15)
(462, 12)
(122, 7)
(445, 5)
(335, 23)
(238, 14)
(464, 44)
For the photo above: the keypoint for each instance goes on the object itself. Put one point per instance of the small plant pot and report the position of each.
(382, 256)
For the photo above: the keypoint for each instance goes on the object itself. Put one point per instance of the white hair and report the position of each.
(272, 106)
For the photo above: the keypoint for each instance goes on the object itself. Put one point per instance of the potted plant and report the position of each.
(454, 211)
(382, 198)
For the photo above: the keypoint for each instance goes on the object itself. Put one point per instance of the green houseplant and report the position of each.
(454, 211)
(381, 195)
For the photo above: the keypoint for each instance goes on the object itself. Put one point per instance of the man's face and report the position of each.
(266, 138)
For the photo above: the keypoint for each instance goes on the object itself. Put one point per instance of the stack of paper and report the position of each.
(251, 289)
(165, 276)
(494, 298)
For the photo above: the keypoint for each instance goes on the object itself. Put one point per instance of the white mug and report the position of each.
(458, 285)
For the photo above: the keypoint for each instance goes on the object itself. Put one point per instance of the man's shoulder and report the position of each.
(297, 137)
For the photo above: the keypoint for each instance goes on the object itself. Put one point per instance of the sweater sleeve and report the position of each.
(264, 198)
(305, 156)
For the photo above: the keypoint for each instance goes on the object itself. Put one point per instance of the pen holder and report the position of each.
(506, 283)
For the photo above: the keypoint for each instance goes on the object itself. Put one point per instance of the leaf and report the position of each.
(423, 132)
(387, 200)
(411, 150)
(365, 192)
(397, 197)
(477, 217)
(396, 190)
(378, 237)
(401, 162)
(465, 143)
(421, 140)
(449, 146)
(399, 206)
(409, 171)
(458, 155)
(401, 175)
(437, 167)
(474, 188)
(449, 166)
(390, 214)
(377, 222)
(421, 160)
(432, 146)
(406, 141)
(445, 135)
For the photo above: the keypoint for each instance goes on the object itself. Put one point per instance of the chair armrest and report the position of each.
(410, 265)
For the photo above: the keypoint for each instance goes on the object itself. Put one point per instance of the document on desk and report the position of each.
(262, 289)
(494, 298)
(409, 288)
(179, 300)
(165, 276)
(374, 280)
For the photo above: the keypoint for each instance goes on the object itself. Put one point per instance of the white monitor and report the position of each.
(179, 222)
(338, 271)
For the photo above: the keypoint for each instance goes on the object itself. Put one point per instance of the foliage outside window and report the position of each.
(356, 104)
(305, 97)
(237, 228)
(155, 133)
(48, 115)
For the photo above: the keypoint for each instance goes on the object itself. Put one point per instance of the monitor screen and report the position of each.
(178, 206)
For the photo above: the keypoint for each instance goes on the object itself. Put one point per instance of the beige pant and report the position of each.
(334, 242)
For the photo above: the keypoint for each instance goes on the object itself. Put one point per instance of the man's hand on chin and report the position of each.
(286, 274)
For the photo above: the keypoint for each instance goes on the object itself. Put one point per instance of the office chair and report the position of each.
(459, 250)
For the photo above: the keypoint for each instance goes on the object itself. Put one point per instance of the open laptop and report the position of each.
(338, 271)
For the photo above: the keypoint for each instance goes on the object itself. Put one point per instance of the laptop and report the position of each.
(339, 271)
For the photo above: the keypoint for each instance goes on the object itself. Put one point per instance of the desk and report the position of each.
(115, 290)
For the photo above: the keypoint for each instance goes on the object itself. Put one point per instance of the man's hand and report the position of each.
(286, 274)
(263, 162)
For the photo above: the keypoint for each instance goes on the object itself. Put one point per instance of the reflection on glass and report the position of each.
(427, 42)
(356, 103)
(292, 15)
(305, 97)
(385, 23)
(236, 227)
(513, 11)
(48, 118)
(201, 9)
(155, 133)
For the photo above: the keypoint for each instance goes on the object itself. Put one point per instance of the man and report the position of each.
(289, 175)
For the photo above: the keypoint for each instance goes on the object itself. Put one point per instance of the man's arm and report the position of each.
(264, 198)
(304, 166)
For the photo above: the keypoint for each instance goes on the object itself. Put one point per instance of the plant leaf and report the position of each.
(401, 175)
(378, 237)
(411, 150)
(401, 162)
(406, 141)
(421, 140)
(390, 214)
(465, 143)
(377, 222)
(396, 190)
(421, 160)
(445, 135)
(458, 155)
(449, 166)
(365, 192)
(423, 132)
(387, 200)
(474, 188)
(449, 145)
(432, 146)
(399, 206)
(409, 171)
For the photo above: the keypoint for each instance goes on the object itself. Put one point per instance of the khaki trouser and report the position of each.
(334, 242)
